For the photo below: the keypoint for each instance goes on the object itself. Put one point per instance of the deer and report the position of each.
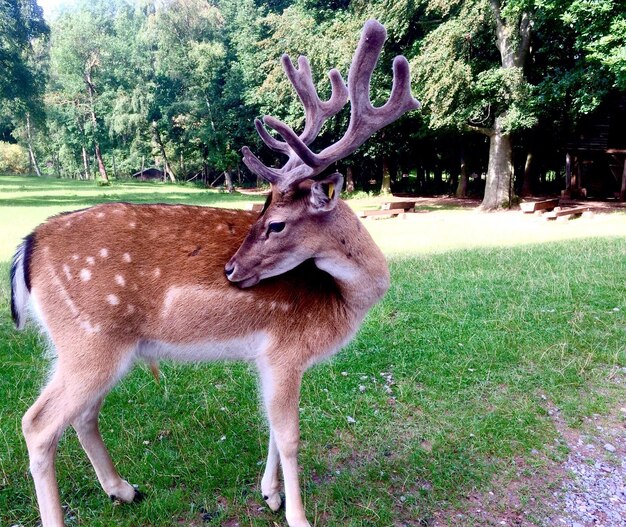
(282, 290)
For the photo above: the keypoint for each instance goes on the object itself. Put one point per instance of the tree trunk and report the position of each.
(461, 189)
(57, 164)
(228, 179)
(498, 191)
(513, 43)
(94, 121)
(31, 153)
(86, 164)
(437, 179)
(527, 184)
(385, 188)
(349, 179)
(101, 169)
(167, 169)
(113, 163)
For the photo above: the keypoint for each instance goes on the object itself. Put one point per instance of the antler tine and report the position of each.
(400, 100)
(316, 110)
(272, 175)
(362, 66)
(272, 142)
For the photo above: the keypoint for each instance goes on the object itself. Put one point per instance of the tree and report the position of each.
(21, 24)
(467, 86)
(79, 43)
(23, 47)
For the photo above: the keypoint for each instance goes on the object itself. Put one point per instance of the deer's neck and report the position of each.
(354, 261)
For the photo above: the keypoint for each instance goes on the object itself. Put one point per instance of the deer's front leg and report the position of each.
(281, 394)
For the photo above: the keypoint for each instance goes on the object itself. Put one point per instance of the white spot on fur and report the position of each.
(130, 309)
(74, 257)
(285, 306)
(132, 225)
(119, 280)
(85, 275)
(90, 260)
(68, 223)
(100, 215)
(104, 252)
(113, 300)
(126, 257)
(157, 272)
(220, 227)
(66, 270)
(273, 306)
(89, 327)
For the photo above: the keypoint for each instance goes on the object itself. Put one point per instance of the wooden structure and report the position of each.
(536, 206)
(565, 213)
(255, 207)
(389, 208)
(149, 174)
(595, 159)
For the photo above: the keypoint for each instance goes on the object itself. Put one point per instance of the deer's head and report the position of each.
(296, 221)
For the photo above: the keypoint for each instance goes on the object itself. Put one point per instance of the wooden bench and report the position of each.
(406, 206)
(536, 206)
(389, 208)
(565, 214)
(255, 207)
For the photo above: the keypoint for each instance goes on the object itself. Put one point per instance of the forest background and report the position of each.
(107, 88)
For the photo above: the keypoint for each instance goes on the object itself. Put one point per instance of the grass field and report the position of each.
(490, 320)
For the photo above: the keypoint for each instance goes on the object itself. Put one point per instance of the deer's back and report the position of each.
(155, 273)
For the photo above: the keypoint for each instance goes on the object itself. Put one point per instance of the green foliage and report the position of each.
(21, 25)
(183, 80)
(609, 51)
(13, 158)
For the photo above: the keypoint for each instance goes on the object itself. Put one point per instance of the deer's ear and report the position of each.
(325, 193)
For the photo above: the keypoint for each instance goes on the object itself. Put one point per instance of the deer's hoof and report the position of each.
(275, 501)
(139, 496)
(125, 493)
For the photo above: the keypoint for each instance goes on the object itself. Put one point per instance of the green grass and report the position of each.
(486, 320)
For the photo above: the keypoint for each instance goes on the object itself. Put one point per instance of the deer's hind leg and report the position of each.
(79, 383)
(270, 485)
(86, 426)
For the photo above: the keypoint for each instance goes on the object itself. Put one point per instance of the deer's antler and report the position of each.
(365, 119)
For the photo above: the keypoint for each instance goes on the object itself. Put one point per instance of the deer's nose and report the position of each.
(229, 269)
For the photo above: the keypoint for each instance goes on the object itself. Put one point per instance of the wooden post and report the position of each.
(568, 176)
(622, 192)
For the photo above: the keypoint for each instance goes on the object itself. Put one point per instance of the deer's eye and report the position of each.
(275, 226)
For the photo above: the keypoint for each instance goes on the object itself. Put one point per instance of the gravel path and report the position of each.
(594, 494)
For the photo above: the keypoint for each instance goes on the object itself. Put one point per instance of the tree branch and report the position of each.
(480, 129)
